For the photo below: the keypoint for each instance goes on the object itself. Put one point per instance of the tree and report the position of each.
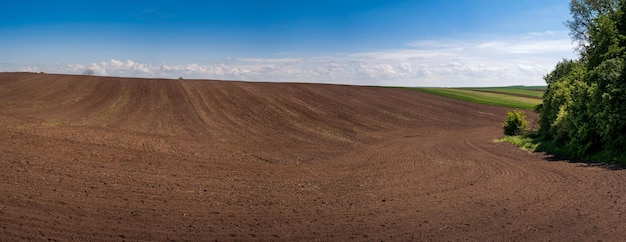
(584, 13)
(583, 108)
(88, 72)
(558, 99)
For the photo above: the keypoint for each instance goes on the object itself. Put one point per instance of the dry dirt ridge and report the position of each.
(99, 158)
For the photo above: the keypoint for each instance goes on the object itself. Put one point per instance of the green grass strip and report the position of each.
(488, 98)
(524, 143)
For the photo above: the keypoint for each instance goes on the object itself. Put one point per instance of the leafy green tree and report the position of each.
(584, 13)
(583, 107)
(608, 99)
(559, 99)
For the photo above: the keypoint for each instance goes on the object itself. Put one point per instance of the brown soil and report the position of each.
(99, 158)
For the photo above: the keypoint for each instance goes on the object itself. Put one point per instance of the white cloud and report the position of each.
(488, 61)
(544, 33)
(485, 61)
(430, 44)
(528, 47)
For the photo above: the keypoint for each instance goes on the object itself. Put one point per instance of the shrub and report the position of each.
(515, 123)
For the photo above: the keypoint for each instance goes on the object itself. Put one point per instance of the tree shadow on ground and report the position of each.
(584, 163)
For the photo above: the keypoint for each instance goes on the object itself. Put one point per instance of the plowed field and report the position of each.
(100, 158)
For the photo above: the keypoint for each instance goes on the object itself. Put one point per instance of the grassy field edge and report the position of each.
(532, 143)
(482, 97)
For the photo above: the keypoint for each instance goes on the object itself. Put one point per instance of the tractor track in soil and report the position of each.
(105, 158)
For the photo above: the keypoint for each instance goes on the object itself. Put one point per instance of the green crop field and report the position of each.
(534, 92)
(513, 97)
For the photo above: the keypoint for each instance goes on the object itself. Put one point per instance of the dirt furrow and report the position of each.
(103, 158)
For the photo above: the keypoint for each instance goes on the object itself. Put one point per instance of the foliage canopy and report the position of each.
(584, 106)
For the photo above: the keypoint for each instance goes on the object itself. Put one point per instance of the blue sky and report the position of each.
(392, 42)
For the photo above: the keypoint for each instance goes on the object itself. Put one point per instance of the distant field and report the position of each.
(533, 92)
(515, 97)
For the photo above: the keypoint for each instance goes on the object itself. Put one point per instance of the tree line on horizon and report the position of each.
(584, 106)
